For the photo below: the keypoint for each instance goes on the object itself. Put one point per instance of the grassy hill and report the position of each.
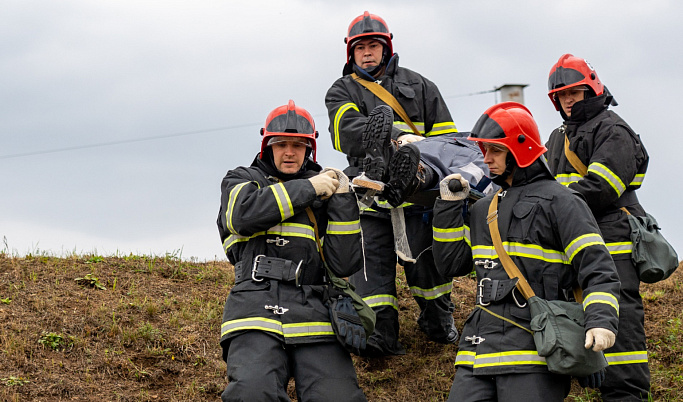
(142, 328)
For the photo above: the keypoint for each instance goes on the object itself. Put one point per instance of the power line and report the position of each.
(159, 137)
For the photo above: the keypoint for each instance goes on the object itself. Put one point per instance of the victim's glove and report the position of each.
(447, 194)
(592, 381)
(408, 138)
(341, 177)
(325, 183)
(346, 323)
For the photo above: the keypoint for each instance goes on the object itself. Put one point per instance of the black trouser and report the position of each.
(379, 291)
(628, 376)
(532, 387)
(260, 366)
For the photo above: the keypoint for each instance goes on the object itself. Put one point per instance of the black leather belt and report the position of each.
(279, 269)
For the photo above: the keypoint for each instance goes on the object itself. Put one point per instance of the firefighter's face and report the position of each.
(288, 156)
(495, 157)
(368, 53)
(569, 97)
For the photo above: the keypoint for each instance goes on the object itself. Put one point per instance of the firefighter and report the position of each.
(616, 162)
(275, 323)
(369, 54)
(552, 237)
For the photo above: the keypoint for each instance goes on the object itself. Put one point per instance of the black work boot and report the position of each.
(377, 142)
(405, 175)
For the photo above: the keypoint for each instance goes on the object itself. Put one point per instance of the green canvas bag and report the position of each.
(654, 258)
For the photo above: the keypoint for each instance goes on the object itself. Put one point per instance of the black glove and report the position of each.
(592, 381)
(346, 323)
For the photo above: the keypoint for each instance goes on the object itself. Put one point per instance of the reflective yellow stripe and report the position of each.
(433, 293)
(442, 128)
(612, 179)
(635, 357)
(567, 179)
(581, 242)
(293, 330)
(638, 180)
(290, 229)
(448, 235)
(623, 247)
(231, 205)
(513, 358)
(406, 128)
(601, 297)
(382, 300)
(337, 119)
(283, 201)
(521, 250)
(343, 228)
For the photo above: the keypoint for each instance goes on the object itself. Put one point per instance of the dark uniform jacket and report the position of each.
(616, 161)
(552, 237)
(262, 217)
(349, 103)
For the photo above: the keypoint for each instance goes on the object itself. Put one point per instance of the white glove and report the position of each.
(408, 138)
(447, 194)
(343, 180)
(599, 339)
(325, 183)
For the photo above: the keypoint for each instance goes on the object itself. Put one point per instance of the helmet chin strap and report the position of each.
(510, 166)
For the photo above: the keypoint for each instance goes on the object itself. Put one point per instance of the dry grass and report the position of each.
(146, 329)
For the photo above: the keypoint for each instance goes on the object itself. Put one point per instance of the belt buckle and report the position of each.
(480, 295)
(297, 274)
(254, 270)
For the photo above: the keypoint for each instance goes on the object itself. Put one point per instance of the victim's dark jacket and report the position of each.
(552, 237)
(262, 216)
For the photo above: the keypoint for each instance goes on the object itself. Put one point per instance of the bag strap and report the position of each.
(311, 216)
(387, 98)
(508, 264)
(574, 159)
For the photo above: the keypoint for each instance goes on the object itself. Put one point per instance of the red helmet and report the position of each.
(512, 125)
(364, 26)
(289, 121)
(570, 71)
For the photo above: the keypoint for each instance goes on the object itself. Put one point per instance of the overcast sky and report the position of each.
(118, 119)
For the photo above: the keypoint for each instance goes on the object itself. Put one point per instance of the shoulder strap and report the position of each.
(311, 216)
(508, 264)
(574, 159)
(387, 98)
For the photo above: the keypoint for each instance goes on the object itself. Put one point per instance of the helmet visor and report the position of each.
(279, 139)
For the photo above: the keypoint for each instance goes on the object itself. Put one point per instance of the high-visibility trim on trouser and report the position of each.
(636, 357)
(433, 293)
(381, 300)
(507, 359)
(291, 330)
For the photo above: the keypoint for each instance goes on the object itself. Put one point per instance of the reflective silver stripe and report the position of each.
(512, 358)
(293, 229)
(581, 242)
(259, 323)
(623, 247)
(601, 297)
(635, 357)
(382, 300)
(638, 180)
(448, 235)
(287, 330)
(442, 128)
(405, 127)
(433, 293)
(283, 201)
(337, 119)
(567, 179)
(307, 329)
(465, 358)
(231, 205)
(343, 228)
(611, 178)
(232, 239)
(521, 250)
